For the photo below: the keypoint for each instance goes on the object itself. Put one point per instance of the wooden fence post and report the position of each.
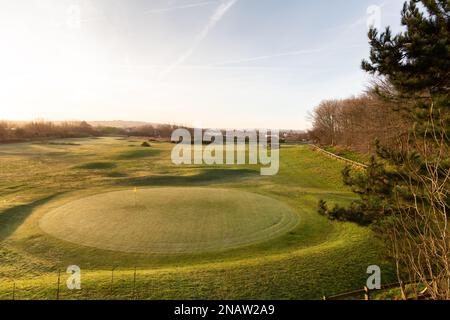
(366, 293)
(59, 281)
(112, 280)
(403, 290)
(134, 284)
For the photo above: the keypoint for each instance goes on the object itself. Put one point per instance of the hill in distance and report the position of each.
(121, 124)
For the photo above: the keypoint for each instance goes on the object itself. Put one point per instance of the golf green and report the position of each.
(170, 220)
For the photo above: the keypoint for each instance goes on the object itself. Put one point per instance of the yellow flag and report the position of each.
(135, 189)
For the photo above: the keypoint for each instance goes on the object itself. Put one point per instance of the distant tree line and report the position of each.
(163, 131)
(11, 132)
(40, 129)
(37, 130)
(357, 122)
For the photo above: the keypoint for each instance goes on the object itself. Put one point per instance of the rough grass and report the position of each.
(316, 258)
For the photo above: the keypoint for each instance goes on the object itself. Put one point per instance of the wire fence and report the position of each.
(367, 294)
(122, 290)
(142, 287)
(124, 284)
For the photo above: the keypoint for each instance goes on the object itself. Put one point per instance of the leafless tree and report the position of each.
(419, 233)
(355, 123)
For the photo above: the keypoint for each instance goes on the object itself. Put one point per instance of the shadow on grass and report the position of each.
(116, 174)
(57, 143)
(97, 166)
(55, 154)
(206, 175)
(11, 219)
(138, 154)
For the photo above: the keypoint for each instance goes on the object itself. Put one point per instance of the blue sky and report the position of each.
(226, 63)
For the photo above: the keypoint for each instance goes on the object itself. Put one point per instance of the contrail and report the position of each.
(283, 54)
(218, 14)
(161, 10)
(186, 6)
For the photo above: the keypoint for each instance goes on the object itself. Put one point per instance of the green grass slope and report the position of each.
(313, 258)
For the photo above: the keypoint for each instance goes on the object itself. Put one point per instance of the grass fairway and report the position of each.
(226, 231)
(170, 220)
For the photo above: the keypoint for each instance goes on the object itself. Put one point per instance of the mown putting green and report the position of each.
(170, 220)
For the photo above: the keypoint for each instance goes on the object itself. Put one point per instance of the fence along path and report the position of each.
(351, 162)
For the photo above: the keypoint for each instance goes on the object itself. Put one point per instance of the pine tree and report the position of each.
(417, 62)
(404, 194)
